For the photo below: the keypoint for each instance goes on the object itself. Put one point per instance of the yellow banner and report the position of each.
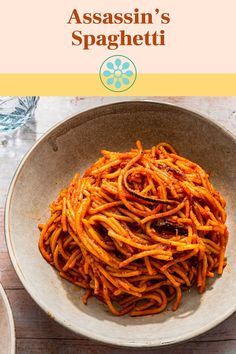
(90, 85)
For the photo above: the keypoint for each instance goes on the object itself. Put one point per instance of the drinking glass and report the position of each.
(15, 111)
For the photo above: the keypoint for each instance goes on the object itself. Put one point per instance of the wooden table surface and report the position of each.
(35, 331)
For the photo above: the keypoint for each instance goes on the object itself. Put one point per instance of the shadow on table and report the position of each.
(17, 142)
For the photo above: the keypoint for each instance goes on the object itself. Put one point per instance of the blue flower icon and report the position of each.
(118, 73)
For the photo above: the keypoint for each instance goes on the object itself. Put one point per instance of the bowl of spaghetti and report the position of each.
(120, 223)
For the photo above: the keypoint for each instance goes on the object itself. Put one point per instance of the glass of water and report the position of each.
(15, 111)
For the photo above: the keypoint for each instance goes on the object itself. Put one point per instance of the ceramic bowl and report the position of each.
(74, 145)
(7, 329)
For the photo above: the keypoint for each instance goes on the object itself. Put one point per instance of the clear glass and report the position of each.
(15, 111)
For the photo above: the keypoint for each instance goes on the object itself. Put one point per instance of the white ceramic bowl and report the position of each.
(7, 329)
(75, 144)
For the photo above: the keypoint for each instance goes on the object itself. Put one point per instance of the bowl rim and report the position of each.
(6, 303)
(29, 289)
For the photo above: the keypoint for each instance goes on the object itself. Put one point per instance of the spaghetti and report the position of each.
(137, 229)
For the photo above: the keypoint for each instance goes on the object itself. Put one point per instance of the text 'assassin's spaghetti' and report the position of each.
(137, 229)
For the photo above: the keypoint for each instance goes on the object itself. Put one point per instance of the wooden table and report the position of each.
(35, 331)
